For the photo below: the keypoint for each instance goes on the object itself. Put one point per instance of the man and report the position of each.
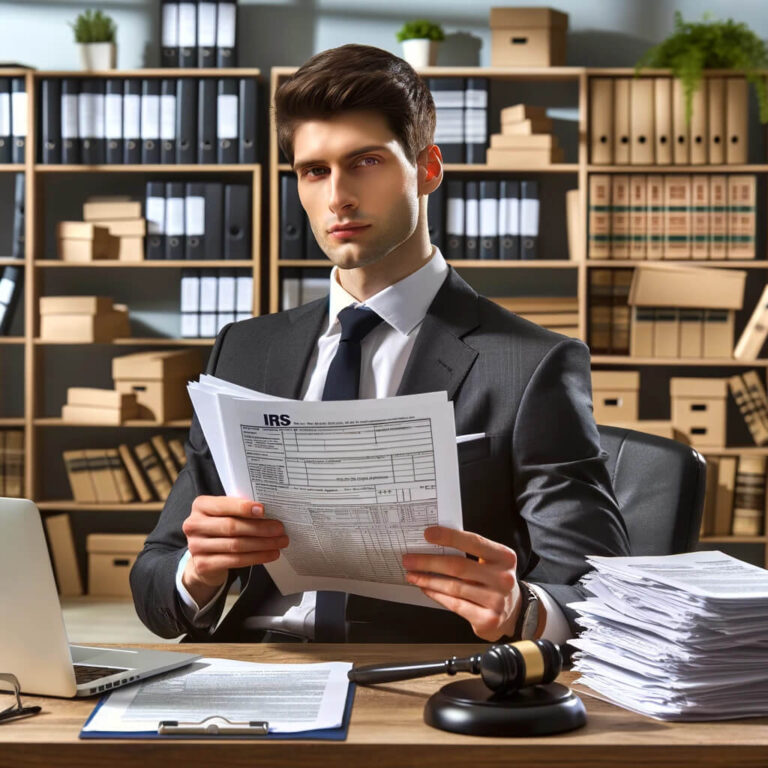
(357, 125)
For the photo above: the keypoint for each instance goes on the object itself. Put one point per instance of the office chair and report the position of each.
(659, 484)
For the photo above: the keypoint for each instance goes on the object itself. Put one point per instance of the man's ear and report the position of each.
(430, 169)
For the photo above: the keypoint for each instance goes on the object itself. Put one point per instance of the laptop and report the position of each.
(33, 639)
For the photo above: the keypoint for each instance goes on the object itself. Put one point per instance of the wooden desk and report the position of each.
(387, 729)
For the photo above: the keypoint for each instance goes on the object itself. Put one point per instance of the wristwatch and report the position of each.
(528, 620)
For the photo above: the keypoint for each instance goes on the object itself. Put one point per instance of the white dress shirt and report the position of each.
(384, 354)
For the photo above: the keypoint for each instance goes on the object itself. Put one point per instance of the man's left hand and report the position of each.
(485, 591)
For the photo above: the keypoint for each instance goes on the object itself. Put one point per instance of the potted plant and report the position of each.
(95, 37)
(420, 39)
(694, 47)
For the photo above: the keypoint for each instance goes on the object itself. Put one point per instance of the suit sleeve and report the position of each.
(562, 485)
(153, 576)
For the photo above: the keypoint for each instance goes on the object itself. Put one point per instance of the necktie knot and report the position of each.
(357, 323)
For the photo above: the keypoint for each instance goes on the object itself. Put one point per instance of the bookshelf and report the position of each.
(45, 434)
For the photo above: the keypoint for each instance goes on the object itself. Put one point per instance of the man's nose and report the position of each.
(342, 196)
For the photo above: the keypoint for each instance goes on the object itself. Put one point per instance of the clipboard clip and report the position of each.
(213, 726)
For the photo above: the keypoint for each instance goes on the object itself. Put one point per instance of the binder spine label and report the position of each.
(113, 116)
(226, 127)
(168, 118)
(195, 213)
(19, 112)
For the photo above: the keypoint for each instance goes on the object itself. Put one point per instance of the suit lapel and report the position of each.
(292, 348)
(440, 360)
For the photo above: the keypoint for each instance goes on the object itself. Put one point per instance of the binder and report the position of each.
(698, 130)
(655, 217)
(448, 96)
(186, 120)
(237, 230)
(619, 244)
(292, 231)
(677, 217)
(132, 121)
(213, 237)
(471, 220)
(454, 220)
(642, 139)
(244, 294)
(169, 33)
(666, 332)
(691, 333)
(18, 119)
(125, 492)
(87, 104)
(150, 121)
(700, 216)
(641, 335)
(489, 220)
(753, 337)
(601, 120)
(113, 121)
(529, 219)
(311, 248)
(436, 217)
(206, 120)
(718, 333)
(50, 120)
(19, 223)
(718, 224)
(6, 139)
(620, 311)
(680, 148)
(168, 122)
(226, 33)
(600, 216)
(600, 310)
(248, 129)
(638, 217)
(190, 303)
(662, 114)
(208, 302)
(741, 216)
(736, 120)
(509, 219)
(475, 119)
(206, 34)
(10, 291)
(143, 490)
(226, 121)
(226, 292)
(162, 450)
(621, 120)
(155, 216)
(174, 220)
(715, 120)
(70, 122)
(187, 34)
(194, 220)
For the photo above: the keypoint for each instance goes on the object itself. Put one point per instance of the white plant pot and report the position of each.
(420, 52)
(97, 56)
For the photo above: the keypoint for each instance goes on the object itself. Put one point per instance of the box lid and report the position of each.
(629, 380)
(75, 305)
(689, 387)
(527, 17)
(171, 363)
(115, 543)
(80, 230)
(662, 285)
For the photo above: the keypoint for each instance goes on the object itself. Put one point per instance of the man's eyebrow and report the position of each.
(353, 153)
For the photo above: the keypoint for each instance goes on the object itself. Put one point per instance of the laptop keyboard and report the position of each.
(86, 674)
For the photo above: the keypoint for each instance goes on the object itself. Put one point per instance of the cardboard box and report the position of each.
(75, 305)
(110, 559)
(86, 328)
(537, 141)
(79, 241)
(653, 427)
(641, 333)
(699, 410)
(664, 285)
(718, 334)
(159, 380)
(85, 414)
(519, 112)
(615, 396)
(101, 398)
(125, 227)
(528, 37)
(131, 249)
(523, 158)
(527, 127)
(106, 209)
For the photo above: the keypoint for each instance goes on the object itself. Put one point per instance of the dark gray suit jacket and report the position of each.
(537, 482)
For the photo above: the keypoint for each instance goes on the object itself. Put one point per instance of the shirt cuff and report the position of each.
(199, 617)
(556, 627)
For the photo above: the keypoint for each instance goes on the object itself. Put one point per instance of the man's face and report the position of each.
(352, 171)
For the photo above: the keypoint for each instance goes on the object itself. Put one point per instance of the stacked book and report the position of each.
(86, 319)
(556, 313)
(526, 139)
(677, 637)
(122, 218)
(122, 475)
(86, 405)
(11, 462)
(609, 313)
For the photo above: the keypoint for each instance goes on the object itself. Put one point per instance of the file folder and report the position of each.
(206, 34)
(50, 121)
(454, 220)
(642, 139)
(169, 33)
(70, 136)
(312, 249)
(248, 128)
(150, 121)
(662, 103)
(19, 220)
(132, 121)
(6, 138)
(214, 212)
(448, 96)
(471, 220)
(206, 120)
(716, 120)
(11, 280)
(436, 217)
(489, 220)
(237, 230)
(529, 219)
(736, 120)
(475, 119)
(226, 33)
(601, 120)
(18, 119)
(680, 148)
(187, 34)
(190, 303)
(227, 121)
(174, 220)
(509, 219)
(186, 120)
(168, 122)
(113, 121)
(194, 220)
(621, 120)
(698, 129)
(292, 231)
(155, 216)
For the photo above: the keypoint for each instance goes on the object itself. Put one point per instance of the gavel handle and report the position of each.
(390, 673)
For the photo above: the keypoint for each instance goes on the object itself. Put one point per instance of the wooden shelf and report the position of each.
(703, 168)
(616, 263)
(159, 264)
(457, 263)
(12, 167)
(68, 505)
(9, 261)
(151, 72)
(11, 422)
(154, 168)
(11, 340)
(671, 362)
(57, 421)
(130, 342)
(553, 74)
(747, 450)
(482, 168)
(733, 539)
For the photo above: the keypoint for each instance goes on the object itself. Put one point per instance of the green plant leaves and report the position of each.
(421, 29)
(94, 27)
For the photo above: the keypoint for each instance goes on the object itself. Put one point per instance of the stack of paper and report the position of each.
(680, 637)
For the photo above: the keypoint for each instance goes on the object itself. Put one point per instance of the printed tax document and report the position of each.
(290, 697)
(355, 483)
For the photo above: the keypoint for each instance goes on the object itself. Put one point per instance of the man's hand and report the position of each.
(484, 592)
(224, 532)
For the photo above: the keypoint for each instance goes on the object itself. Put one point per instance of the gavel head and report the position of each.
(508, 667)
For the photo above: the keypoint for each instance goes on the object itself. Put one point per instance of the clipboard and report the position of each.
(323, 734)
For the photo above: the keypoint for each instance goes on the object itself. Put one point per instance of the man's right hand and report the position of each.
(225, 532)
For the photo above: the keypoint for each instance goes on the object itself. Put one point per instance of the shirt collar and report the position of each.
(402, 305)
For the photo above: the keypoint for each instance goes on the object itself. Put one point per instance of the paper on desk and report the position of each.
(290, 697)
(355, 483)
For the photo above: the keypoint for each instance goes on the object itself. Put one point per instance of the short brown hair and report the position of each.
(357, 77)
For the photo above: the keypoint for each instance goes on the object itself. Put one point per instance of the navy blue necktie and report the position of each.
(342, 383)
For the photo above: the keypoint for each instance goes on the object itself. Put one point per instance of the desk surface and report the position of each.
(387, 729)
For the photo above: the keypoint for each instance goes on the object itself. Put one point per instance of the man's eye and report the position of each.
(310, 171)
(374, 161)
